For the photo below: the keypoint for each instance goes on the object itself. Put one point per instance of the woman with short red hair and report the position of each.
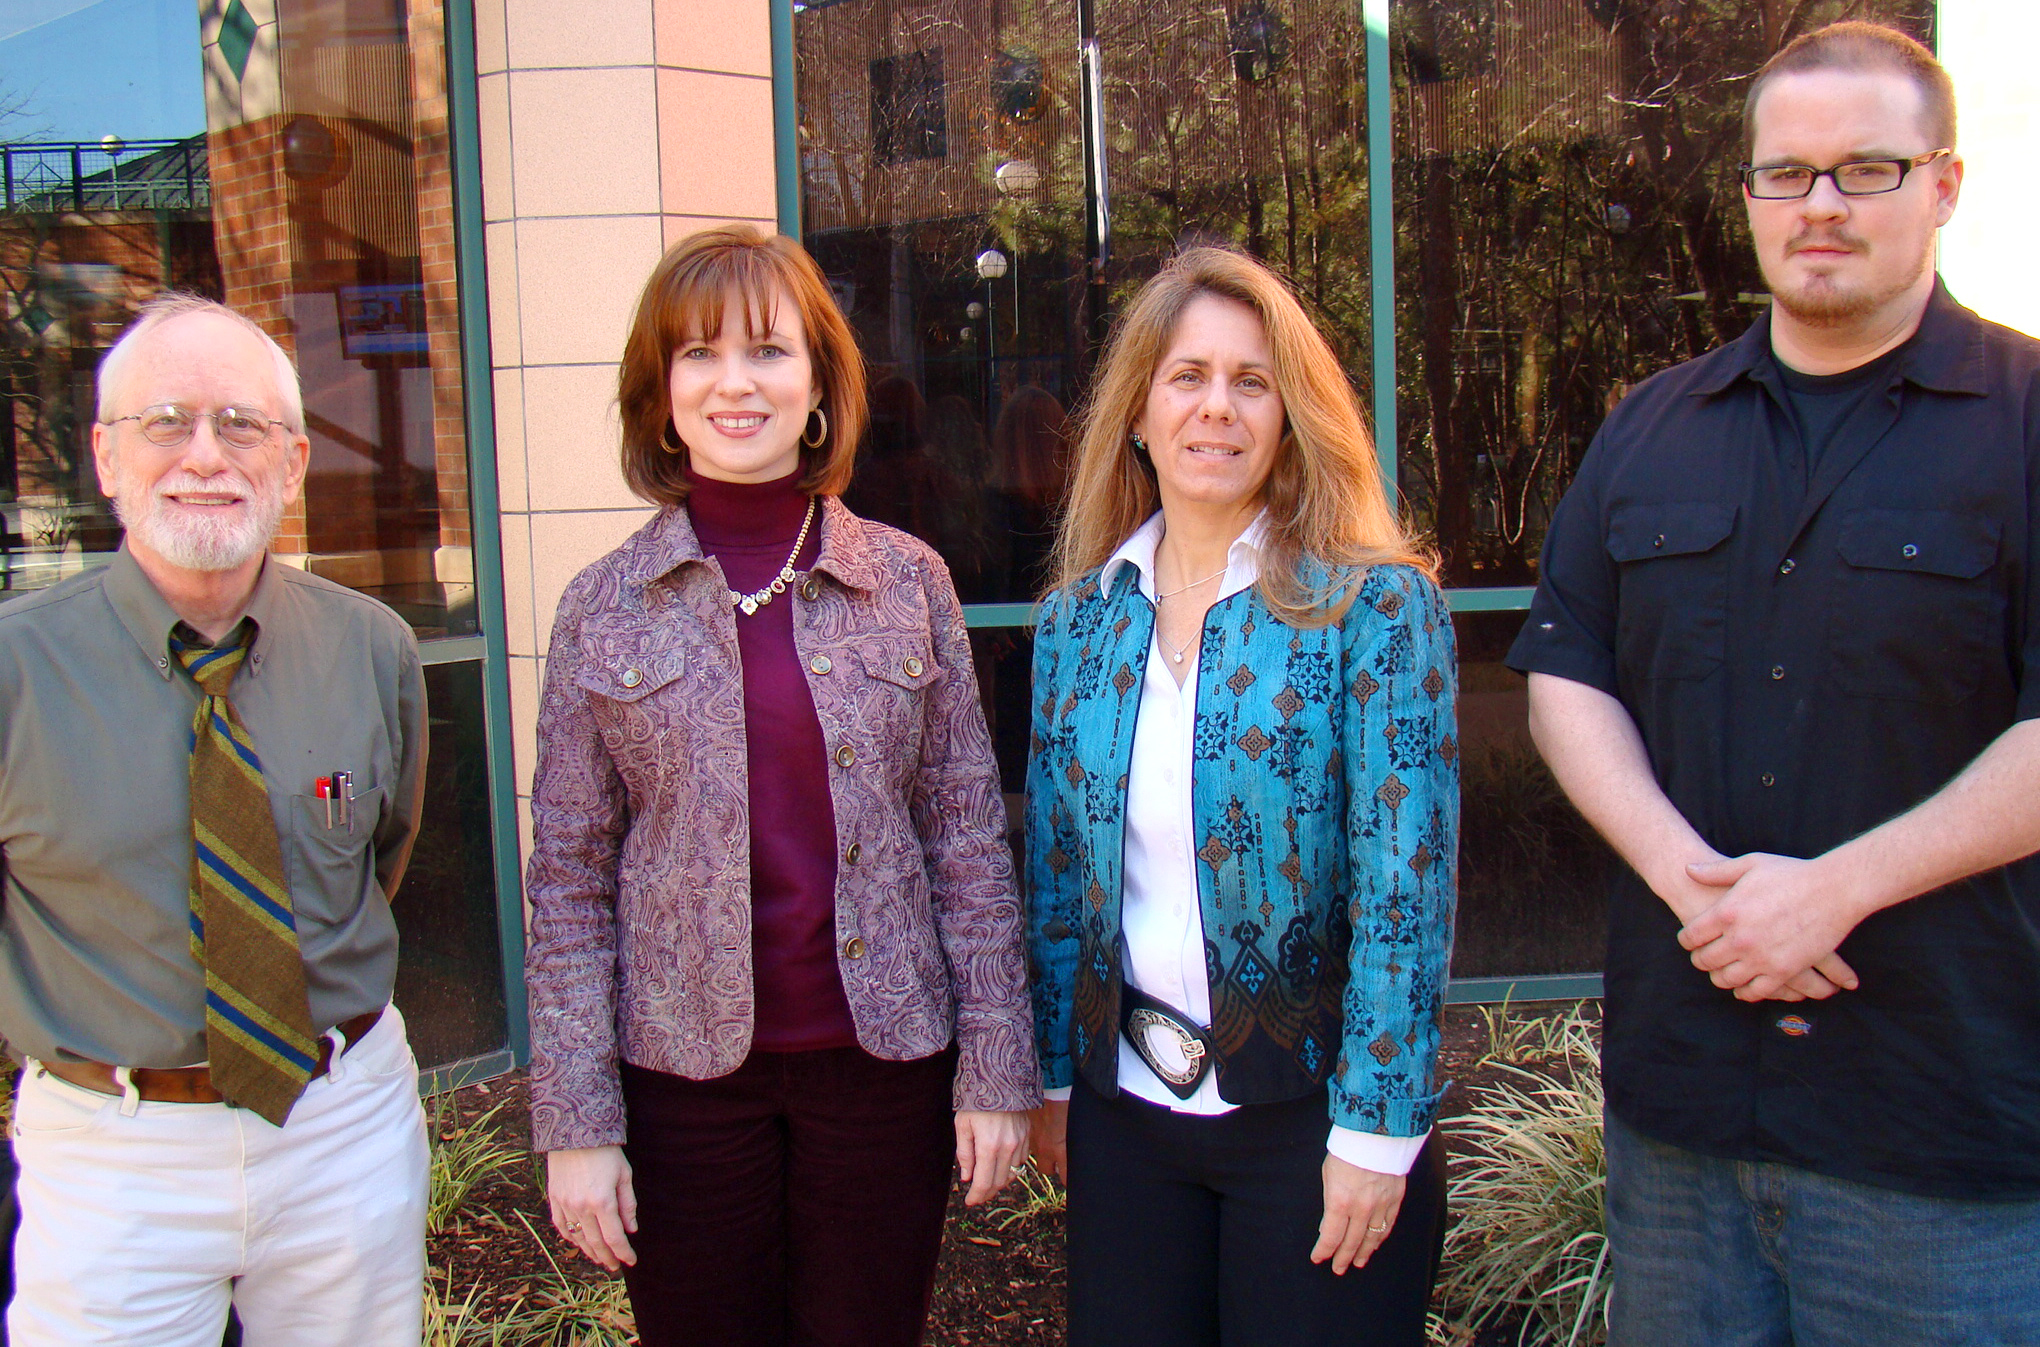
(775, 968)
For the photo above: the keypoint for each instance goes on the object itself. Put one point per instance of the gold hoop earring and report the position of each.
(816, 442)
(669, 439)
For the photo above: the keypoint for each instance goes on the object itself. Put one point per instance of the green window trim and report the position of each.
(463, 91)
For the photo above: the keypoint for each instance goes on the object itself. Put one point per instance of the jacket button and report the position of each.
(1787, 566)
(811, 589)
(913, 666)
(845, 755)
(631, 678)
(1768, 779)
(1777, 672)
(1909, 551)
(853, 948)
(855, 853)
(820, 664)
(1659, 541)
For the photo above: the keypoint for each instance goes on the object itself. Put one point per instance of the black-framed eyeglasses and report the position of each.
(1857, 177)
(170, 425)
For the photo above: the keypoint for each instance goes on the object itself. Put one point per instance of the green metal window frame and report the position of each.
(491, 648)
(1381, 247)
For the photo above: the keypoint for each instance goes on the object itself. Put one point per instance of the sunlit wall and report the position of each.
(1987, 249)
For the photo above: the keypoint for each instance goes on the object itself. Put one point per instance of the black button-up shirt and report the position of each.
(1807, 654)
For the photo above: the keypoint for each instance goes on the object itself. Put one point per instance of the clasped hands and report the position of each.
(1766, 927)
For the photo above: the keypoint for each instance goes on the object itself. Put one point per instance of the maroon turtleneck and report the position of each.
(749, 528)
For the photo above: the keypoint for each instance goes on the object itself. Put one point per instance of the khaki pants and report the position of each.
(139, 1228)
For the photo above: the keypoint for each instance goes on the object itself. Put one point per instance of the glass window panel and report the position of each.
(1567, 224)
(1243, 124)
(297, 169)
(450, 969)
(1532, 874)
(942, 193)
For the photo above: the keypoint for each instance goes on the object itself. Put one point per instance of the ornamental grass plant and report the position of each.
(1528, 1246)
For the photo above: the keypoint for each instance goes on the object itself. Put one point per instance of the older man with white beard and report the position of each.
(210, 769)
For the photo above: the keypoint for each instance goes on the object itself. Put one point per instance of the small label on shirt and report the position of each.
(1794, 1026)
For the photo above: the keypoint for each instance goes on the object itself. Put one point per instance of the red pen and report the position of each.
(323, 789)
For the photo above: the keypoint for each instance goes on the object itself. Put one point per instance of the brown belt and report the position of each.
(191, 1084)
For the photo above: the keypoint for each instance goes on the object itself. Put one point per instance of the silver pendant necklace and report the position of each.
(1175, 654)
(756, 599)
(1184, 589)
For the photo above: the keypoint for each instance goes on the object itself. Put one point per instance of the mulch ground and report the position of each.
(1000, 1281)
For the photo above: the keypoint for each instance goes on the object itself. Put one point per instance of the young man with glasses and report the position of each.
(1785, 655)
(210, 769)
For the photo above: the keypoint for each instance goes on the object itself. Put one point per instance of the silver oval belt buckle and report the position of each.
(1182, 1076)
(1141, 1022)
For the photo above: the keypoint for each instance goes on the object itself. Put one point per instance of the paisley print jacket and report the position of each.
(639, 881)
(1325, 788)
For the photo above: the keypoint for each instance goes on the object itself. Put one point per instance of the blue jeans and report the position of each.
(1730, 1253)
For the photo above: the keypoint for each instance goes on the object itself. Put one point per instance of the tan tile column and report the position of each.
(609, 130)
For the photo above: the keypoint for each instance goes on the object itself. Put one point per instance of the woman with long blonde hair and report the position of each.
(1241, 836)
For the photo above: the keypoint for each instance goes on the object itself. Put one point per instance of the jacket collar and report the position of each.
(668, 542)
(1945, 355)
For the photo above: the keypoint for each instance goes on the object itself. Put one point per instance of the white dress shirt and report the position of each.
(1159, 914)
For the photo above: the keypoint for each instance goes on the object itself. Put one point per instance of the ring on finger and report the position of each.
(574, 1229)
(1377, 1229)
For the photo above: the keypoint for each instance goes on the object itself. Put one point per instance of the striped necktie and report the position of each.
(258, 1019)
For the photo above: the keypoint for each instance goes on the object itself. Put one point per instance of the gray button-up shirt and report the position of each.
(95, 810)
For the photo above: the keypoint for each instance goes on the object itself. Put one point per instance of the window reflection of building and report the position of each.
(333, 191)
(318, 201)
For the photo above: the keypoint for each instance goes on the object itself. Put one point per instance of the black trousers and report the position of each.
(1189, 1231)
(796, 1202)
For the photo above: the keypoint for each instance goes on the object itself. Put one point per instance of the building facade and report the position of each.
(1505, 212)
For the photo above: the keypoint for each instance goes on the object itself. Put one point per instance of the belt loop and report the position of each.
(130, 1093)
(339, 1042)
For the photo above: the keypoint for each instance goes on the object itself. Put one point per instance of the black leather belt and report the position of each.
(1141, 1015)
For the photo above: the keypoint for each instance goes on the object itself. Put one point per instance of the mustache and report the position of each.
(220, 483)
(1823, 238)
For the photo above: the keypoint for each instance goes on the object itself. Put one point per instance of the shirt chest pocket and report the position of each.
(1918, 612)
(1674, 587)
(331, 860)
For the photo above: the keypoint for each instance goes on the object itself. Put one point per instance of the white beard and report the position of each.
(199, 542)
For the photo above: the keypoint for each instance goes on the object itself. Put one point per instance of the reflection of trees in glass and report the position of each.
(1240, 123)
(1567, 224)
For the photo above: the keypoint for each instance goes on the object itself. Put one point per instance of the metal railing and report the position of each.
(82, 176)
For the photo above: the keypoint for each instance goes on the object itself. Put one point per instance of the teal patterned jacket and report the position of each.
(1325, 786)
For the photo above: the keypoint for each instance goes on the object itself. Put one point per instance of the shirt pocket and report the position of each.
(330, 865)
(637, 706)
(1918, 613)
(1673, 619)
(892, 695)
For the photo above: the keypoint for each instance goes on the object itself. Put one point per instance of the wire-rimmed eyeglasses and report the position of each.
(169, 425)
(1856, 177)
